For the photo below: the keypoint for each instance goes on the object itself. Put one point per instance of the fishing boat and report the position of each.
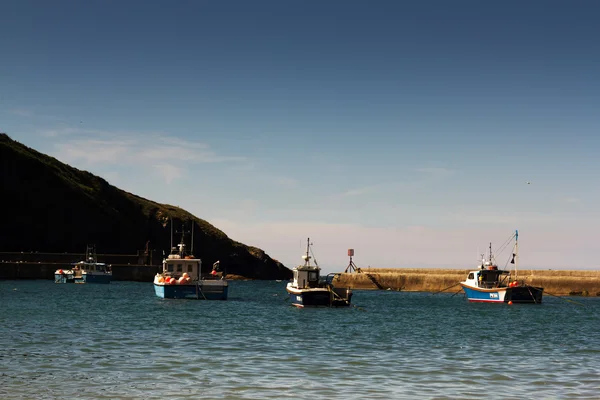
(488, 284)
(181, 277)
(88, 270)
(308, 289)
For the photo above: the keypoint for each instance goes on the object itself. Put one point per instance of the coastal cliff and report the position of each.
(52, 207)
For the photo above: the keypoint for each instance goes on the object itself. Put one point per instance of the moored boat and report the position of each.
(88, 270)
(488, 284)
(181, 277)
(308, 289)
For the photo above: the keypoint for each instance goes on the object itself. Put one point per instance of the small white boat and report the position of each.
(86, 271)
(307, 289)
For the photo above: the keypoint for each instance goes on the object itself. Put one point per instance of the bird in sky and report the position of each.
(529, 183)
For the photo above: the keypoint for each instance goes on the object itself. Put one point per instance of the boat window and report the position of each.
(312, 276)
(190, 268)
(170, 267)
(179, 268)
(471, 276)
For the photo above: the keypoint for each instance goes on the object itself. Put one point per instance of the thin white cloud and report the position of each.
(22, 112)
(511, 219)
(284, 181)
(377, 188)
(31, 113)
(92, 151)
(431, 173)
(435, 172)
(162, 153)
(356, 192)
(169, 172)
(53, 133)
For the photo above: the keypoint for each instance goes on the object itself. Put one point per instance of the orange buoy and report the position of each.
(510, 302)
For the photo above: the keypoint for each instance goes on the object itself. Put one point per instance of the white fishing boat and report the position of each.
(308, 289)
(488, 284)
(88, 270)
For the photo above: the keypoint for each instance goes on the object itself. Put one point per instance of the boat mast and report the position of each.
(171, 234)
(307, 256)
(192, 244)
(516, 254)
(182, 243)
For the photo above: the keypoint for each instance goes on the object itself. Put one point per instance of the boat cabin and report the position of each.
(177, 263)
(306, 276)
(488, 277)
(92, 267)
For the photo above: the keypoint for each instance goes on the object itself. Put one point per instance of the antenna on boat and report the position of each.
(171, 233)
(181, 244)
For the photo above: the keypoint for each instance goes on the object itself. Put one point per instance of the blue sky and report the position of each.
(405, 130)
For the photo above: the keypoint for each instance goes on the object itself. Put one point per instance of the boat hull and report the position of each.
(320, 297)
(64, 278)
(517, 294)
(96, 278)
(201, 291)
(85, 278)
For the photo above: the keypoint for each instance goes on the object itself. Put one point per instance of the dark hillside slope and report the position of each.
(49, 206)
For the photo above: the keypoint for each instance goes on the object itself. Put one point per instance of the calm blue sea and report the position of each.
(119, 341)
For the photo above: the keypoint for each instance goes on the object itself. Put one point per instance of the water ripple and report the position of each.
(120, 341)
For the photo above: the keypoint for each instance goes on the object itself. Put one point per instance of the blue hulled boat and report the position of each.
(308, 289)
(181, 278)
(488, 284)
(86, 271)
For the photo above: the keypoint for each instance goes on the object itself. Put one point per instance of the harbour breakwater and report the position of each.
(139, 267)
(558, 282)
(45, 270)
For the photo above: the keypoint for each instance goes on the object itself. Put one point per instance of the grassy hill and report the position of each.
(49, 206)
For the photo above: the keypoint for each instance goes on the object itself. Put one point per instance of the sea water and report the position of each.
(120, 341)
